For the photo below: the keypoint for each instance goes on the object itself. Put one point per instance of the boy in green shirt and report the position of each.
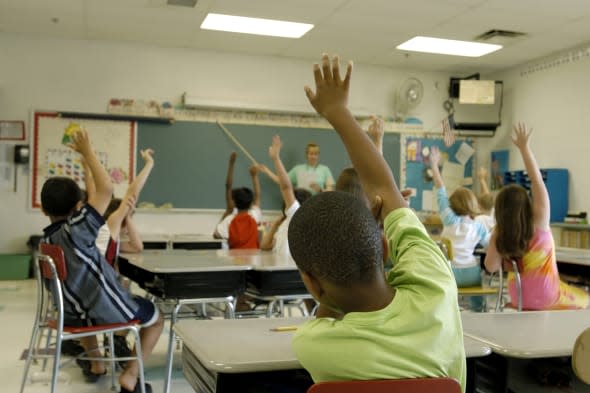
(368, 326)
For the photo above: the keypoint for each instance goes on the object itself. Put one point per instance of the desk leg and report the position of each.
(170, 354)
(230, 312)
(270, 307)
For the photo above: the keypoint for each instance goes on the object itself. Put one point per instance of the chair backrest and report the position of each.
(448, 244)
(513, 266)
(57, 256)
(581, 356)
(413, 385)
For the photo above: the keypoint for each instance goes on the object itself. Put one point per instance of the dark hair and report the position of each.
(59, 196)
(334, 237)
(113, 205)
(348, 181)
(514, 221)
(463, 202)
(242, 197)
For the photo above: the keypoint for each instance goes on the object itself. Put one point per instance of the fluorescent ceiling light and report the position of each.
(448, 47)
(242, 24)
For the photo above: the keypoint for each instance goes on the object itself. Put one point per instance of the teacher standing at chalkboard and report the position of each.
(312, 175)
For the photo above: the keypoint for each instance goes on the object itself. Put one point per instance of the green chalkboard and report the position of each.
(191, 159)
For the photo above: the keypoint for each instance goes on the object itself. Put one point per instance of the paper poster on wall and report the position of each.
(457, 167)
(113, 142)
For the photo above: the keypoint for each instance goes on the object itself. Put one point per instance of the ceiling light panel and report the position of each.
(258, 26)
(448, 47)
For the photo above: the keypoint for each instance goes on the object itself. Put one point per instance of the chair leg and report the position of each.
(32, 348)
(49, 333)
(139, 354)
(112, 359)
(56, 363)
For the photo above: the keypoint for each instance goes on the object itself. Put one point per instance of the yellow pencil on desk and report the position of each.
(284, 329)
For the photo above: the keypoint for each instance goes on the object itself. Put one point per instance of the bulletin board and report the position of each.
(457, 167)
(112, 140)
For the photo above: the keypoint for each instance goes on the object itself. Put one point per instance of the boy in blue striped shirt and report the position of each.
(92, 293)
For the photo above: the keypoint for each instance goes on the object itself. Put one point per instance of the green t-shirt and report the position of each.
(419, 334)
(303, 175)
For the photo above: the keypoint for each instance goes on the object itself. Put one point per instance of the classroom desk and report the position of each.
(576, 256)
(195, 242)
(215, 349)
(185, 277)
(162, 241)
(273, 279)
(531, 334)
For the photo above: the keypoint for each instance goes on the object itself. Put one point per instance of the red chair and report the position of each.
(413, 385)
(49, 318)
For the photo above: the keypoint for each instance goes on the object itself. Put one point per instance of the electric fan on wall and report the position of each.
(408, 97)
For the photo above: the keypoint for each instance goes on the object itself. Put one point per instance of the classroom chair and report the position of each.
(581, 357)
(446, 247)
(413, 385)
(51, 271)
(512, 266)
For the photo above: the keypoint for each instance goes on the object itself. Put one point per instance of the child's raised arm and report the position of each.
(115, 220)
(133, 243)
(137, 185)
(88, 180)
(376, 132)
(100, 199)
(434, 162)
(541, 206)
(331, 101)
(274, 151)
(482, 177)
(255, 185)
(229, 181)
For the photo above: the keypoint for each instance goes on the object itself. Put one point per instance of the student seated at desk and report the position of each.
(276, 238)
(522, 233)
(457, 213)
(97, 297)
(368, 327)
(239, 223)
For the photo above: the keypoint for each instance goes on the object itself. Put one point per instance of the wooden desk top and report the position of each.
(248, 345)
(531, 334)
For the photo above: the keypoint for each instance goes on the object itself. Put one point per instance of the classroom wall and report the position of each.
(552, 97)
(54, 74)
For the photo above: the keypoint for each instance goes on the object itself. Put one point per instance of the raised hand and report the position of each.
(81, 142)
(434, 156)
(331, 95)
(253, 170)
(376, 129)
(482, 173)
(232, 157)
(147, 156)
(520, 135)
(275, 148)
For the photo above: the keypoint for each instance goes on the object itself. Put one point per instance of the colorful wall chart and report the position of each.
(113, 142)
